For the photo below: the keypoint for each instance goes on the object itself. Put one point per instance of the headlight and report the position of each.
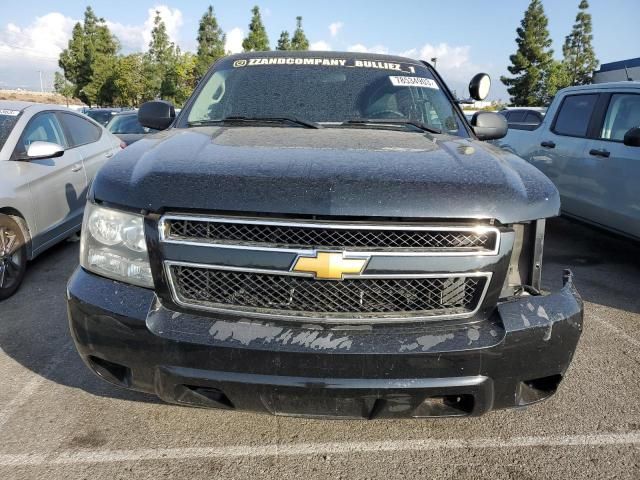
(113, 245)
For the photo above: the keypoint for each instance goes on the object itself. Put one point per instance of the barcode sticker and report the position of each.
(406, 81)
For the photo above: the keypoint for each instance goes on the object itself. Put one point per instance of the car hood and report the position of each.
(331, 171)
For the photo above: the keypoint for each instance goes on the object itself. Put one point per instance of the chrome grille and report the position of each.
(258, 232)
(292, 295)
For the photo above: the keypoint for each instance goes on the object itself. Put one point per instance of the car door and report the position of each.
(94, 143)
(55, 184)
(561, 151)
(616, 169)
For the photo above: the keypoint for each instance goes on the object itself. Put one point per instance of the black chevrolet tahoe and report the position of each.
(323, 234)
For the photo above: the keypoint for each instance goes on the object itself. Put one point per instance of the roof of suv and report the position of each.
(604, 86)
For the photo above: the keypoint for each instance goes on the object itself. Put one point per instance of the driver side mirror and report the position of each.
(489, 125)
(157, 114)
(632, 137)
(39, 150)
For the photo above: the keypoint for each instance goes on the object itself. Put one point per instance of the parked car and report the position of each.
(523, 118)
(48, 157)
(102, 115)
(587, 145)
(323, 233)
(126, 127)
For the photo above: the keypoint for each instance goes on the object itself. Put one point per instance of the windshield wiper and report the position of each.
(244, 119)
(393, 121)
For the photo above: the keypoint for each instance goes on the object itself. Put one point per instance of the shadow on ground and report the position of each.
(34, 330)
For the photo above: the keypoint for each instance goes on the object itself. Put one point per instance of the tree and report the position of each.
(299, 40)
(129, 80)
(284, 43)
(257, 39)
(159, 59)
(579, 57)
(211, 40)
(533, 62)
(62, 86)
(91, 49)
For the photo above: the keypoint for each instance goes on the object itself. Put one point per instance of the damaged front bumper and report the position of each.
(516, 357)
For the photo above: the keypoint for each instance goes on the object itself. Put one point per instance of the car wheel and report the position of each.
(13, 256)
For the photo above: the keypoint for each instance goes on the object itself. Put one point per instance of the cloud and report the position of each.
(335, 27)
(320, 45)
(35, 47)
(360, 48)
(137, 37)
(44, 38)
(234, 40)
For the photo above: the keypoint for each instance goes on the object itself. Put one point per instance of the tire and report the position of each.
(13, 255)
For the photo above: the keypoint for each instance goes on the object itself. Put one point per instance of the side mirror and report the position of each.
(489, 125)
(157, 114)
(479, 86)
(39, 149)
(632, 137)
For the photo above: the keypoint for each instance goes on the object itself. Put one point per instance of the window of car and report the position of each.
(8, 120)
(101, 116)
(517, 116)
(44, 127)
(80, 131)
(623, 114)
(574, 115)
(123, 124)
(532, 118)
(329, 91)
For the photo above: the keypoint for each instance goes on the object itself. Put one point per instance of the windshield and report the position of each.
(127, 124)
(328, 91)
(8, 119)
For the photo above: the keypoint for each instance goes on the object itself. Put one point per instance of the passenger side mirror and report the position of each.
(157, 114)
(632, 137)
(489, 125)
(39, 150)
(479, 86)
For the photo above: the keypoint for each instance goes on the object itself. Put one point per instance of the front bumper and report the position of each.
(516, 357)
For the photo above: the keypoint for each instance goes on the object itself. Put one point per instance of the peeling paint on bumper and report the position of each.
(516, 357)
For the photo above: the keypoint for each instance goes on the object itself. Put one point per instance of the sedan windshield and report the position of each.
(325, 91)
(8, 119)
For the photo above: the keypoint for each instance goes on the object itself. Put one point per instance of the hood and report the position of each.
(331, 171)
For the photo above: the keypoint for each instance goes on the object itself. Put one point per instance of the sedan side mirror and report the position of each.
(157, 114)
(489, 125)
(632, 137)
(38, 150)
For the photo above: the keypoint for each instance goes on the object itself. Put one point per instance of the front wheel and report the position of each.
(13, 256)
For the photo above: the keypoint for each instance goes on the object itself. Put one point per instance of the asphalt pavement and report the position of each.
(59, 421)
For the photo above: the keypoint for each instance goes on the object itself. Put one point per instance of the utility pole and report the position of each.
(41, 86)
(434, 60)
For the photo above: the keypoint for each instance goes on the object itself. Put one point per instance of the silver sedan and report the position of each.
(48, 157)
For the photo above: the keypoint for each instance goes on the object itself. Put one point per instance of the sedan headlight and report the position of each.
(113, 245)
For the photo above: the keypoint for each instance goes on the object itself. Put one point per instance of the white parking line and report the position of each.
(22, 397)
(339, 448)
(609, 326)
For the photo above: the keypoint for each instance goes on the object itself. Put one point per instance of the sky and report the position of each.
(467, 36)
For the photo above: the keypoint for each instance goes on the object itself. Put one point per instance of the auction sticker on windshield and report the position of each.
(414, 82)
(10, 113)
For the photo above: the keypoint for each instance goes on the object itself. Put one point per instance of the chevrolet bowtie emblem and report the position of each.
(329, 265)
